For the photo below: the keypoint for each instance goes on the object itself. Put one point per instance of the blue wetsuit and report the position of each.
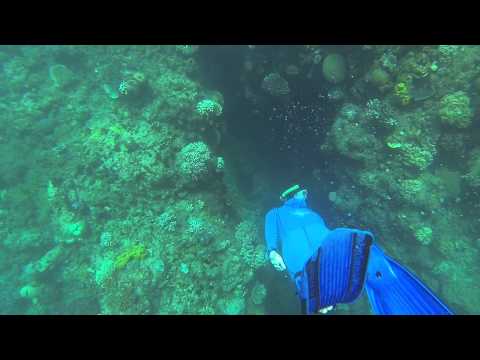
(336, 264)
(296, 232)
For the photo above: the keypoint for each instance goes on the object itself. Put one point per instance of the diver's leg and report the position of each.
(301, 292)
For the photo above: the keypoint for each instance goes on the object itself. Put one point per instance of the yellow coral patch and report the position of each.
(136, 252)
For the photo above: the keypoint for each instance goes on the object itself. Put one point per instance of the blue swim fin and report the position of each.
(393, 290)
(336, 273)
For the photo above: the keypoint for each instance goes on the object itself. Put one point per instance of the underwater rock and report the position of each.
(48, 260)
(421, 89)
(292, 70)
(352, 137)
(473, 174)
(70, 227)
(133, 85)
(111, 92)
(31, 292)
(61, 75)
(379, 78)
(258, 294)
(235, 306)
(418, 156)
(334, 68)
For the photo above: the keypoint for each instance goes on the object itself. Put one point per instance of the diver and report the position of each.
(331, 267)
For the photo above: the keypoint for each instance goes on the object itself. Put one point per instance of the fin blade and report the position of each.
(398, 291)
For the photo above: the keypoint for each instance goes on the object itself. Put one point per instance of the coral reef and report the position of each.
(136, 178)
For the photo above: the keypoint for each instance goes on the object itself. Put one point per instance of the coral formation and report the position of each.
(424, 235)
(208, 107)
(402, 92)
(259, 292)
(455, 110)
(193, 161)
(133, 84)
(275, 85)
